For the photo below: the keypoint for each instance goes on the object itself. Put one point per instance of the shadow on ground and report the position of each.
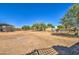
(64, 34)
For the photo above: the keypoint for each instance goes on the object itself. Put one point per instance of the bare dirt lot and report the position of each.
(22, 42)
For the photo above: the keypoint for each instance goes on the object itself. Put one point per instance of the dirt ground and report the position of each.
(22, 42)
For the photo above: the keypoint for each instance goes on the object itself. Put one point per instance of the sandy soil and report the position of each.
(22, 42)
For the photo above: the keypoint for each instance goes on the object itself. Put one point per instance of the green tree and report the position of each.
(60, 27)
(50, 25)
(39, 26)
(71, 19)
(25, 27)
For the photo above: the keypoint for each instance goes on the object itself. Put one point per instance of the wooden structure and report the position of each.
(44, 51)
(57, 50)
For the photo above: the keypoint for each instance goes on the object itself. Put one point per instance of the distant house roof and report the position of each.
(4, 24)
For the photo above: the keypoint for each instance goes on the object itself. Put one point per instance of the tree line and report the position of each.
(37, 27)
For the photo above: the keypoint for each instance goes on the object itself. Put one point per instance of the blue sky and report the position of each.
(29, 13)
